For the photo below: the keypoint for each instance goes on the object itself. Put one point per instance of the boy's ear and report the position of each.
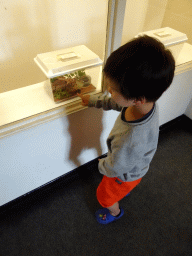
(140, 101)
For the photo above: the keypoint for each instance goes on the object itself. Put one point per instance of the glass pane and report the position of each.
(146, 15)
(32, 27)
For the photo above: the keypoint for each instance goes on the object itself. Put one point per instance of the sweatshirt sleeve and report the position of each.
(103, 101)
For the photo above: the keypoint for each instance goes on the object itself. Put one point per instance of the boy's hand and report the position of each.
(85, 99)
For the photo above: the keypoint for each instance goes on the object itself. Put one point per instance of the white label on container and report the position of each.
(162, 34)
(66, 56)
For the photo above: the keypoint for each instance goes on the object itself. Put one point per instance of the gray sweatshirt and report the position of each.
(131, 145)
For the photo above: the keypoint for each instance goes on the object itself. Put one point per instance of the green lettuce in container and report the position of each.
(67, 86)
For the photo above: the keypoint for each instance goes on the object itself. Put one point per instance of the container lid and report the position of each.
(68, 60)
(167, 36)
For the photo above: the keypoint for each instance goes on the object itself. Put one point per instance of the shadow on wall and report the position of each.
(21, 39)
(85, 129)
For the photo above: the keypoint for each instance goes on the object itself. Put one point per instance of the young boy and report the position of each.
(136, 75)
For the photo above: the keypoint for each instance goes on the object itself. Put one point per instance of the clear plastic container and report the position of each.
(67, 86)
(67, 71)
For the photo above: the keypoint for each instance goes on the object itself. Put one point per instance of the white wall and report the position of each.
(188, 111)
(31, 158)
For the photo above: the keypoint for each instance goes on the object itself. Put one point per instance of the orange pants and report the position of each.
(112, 190)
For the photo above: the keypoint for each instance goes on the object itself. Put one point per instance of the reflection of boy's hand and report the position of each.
(85, 99)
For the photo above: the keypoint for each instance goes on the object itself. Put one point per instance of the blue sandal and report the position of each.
(104, 217)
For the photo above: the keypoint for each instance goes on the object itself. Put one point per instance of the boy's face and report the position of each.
(116, 95)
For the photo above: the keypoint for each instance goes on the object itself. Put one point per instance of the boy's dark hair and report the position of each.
(142, 68)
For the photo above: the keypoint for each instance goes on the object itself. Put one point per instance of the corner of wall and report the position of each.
(188, 111)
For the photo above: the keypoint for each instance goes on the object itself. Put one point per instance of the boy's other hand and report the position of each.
(85, 99)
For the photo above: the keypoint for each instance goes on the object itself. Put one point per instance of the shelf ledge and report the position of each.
(30, 106)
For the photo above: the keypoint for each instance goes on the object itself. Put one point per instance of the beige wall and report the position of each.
(145, 15)
(178, 15)
(142, 15)
(32, 27)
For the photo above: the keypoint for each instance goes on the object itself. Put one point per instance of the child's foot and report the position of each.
(103, 216)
